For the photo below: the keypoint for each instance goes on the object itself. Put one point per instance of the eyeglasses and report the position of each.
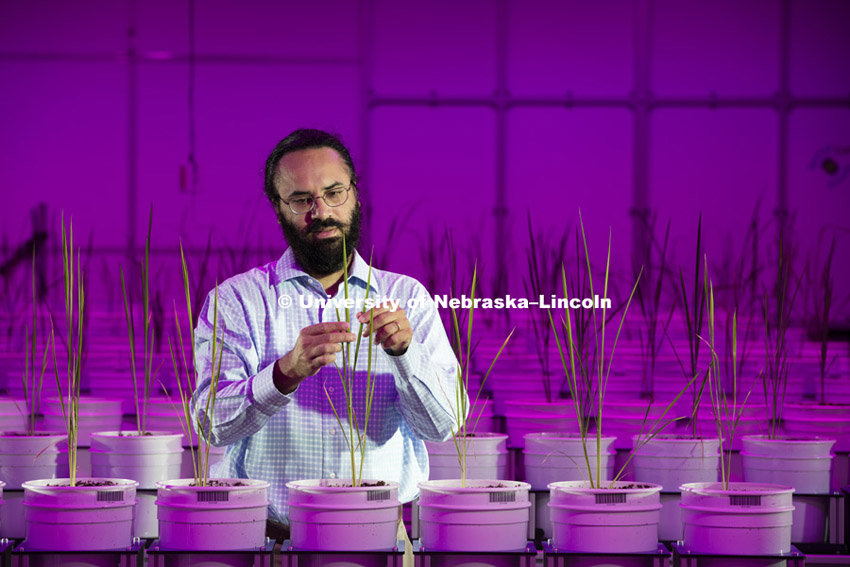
(332, 197)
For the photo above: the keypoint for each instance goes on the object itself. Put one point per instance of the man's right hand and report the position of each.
(316, 347)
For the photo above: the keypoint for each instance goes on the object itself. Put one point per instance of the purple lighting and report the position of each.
(471, 124)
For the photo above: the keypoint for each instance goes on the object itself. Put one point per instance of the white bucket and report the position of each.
(212, 518)
(746, 519)
(533, 416)
(96, 414)
(147, 469)
(553, 456)
(24, 458)
(620, 519)
(671, 461)
(147, 458)
(828, 421)
(215, 456)
(802, 463)
(482, 516)
(165, 415)
(747, 425)
(486, 457)
(79, 518)
(145, 521)
(332, 515)
(623, 419)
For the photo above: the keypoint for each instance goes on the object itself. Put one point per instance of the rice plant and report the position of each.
(199, 444)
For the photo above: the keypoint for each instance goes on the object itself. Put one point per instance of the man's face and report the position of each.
(316, 237)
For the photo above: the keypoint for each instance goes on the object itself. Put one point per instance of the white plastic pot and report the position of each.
(746, 519)
(332, 515)
(793, 461)
(624, 418)
(482, 516)
(216, 455)
(486, 457)
(620, 519)
(24, 458)
(828, 421)
(96, 414)
(803, 463)
(147, 459)
(554, 456)
(211, 518)
(165, 415)
(753, 421)
(671, 461)
(533, 416)
(61, 517)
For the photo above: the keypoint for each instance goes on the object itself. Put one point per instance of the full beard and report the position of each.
(324, 256)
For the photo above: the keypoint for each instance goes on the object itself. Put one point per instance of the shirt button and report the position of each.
(333, 432)
(331, 390)
(332, 475)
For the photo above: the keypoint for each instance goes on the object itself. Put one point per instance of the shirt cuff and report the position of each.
(408, 364)
(267, 398)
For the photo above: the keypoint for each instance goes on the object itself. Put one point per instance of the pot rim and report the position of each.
(333, 485)
(44, 434)
(134, 434)
(571, 435)
(185, 484)
(489, 435)
(452, 485)
(792, 439)
(673, 438)
(715, 488)
(42, 484)
(583, 486)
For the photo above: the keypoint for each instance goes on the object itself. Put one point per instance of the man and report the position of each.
(280, 348)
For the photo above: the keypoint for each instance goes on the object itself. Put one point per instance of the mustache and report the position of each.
(321, 225)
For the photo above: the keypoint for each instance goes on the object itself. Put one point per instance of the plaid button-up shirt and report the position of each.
(280, 438)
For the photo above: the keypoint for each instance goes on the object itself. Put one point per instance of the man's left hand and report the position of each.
(392, 329)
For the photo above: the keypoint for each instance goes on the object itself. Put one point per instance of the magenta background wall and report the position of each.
(460, 114)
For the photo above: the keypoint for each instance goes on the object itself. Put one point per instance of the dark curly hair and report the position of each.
(304, 139)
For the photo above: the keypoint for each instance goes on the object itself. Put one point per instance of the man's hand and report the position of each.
(392, 329)
(316, 347)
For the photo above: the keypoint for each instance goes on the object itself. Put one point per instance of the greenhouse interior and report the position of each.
(632, 350)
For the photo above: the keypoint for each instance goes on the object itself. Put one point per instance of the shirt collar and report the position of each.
(288, 269)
